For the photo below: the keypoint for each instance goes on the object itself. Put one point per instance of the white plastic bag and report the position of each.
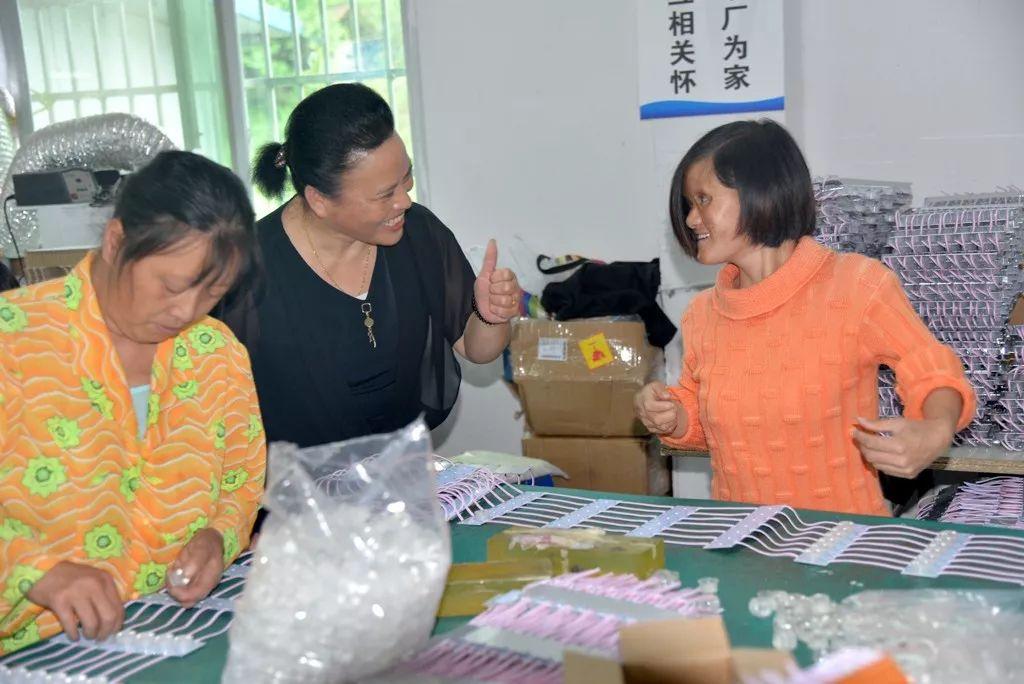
(350, 566)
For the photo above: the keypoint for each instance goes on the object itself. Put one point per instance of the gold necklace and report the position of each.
(367, 307)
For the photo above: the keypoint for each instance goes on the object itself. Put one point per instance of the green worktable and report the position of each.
(741, 574)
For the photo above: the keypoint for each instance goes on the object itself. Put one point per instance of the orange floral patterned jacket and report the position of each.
(77, 484)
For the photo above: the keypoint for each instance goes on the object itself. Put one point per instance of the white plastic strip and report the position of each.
(18, 675)
(236, 571)
(786, 536)
(489, 514)
(745, 527)
(655, 527)
(148, 638)
(581, 515)
(454, 474)
(144, 643)
(832, 543)
(162, 599)
(935, 557)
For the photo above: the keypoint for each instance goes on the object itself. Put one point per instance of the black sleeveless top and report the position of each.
(318, 378)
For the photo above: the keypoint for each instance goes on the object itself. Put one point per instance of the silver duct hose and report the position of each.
(104, 141)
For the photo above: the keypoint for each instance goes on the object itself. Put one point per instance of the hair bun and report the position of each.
(269, 171)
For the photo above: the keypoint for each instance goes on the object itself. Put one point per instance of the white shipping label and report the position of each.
(551, 349)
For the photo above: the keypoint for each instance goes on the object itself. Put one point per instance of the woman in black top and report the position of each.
(365, 294)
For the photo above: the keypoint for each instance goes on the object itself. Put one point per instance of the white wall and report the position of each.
(927, 91)
(530, 126)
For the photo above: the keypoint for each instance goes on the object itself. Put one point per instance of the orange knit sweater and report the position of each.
(775, 376)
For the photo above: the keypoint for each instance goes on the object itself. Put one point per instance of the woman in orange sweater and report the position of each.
(781, 356)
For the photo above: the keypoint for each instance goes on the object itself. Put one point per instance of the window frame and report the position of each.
(235, 82)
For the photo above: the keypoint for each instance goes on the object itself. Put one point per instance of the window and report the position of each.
(162, 60)
(97, 56)
(290, 48)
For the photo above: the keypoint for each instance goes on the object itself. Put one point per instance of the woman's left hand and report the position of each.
(496, 289)
(903, 447)
(201, 562)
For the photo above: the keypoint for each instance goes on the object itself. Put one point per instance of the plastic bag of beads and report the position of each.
(351, 563)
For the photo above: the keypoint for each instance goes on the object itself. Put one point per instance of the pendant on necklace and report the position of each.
(367, 308)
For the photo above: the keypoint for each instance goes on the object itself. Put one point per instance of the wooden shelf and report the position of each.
(982, 460)
(960, 459)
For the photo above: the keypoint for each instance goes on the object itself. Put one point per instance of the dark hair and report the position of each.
(326, 133)
(762, 162)
(180, 192)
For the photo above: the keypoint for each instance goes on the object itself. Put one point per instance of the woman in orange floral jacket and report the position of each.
(131, 444)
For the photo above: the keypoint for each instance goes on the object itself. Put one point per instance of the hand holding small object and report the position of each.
(900, 446)
(197, 569)
(658, 412)
(178, 578)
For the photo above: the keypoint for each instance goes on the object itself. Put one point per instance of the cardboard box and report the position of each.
(611, 464)
(1017, 315)
(695, 651)
(578, 378)
(46, 265)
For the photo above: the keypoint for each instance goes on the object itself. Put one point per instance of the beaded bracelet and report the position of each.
(480, 315)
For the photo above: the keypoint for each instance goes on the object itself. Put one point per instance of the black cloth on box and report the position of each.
(616, 289)
(7, 279)
(317, 377)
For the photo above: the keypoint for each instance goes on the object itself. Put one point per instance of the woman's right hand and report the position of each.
(658, 412)
(80, 595)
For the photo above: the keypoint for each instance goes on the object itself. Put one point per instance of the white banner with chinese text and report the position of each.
(701, 57)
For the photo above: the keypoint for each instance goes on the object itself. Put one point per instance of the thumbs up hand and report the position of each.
(496, 289)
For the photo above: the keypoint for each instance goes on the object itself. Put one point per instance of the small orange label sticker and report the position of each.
(596, 352)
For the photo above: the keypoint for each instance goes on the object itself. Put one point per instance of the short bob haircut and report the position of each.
(761, 161)
(178, 194)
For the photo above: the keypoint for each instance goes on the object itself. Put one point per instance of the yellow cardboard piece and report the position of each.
(581, 668)
(683, 651)
(596, 351)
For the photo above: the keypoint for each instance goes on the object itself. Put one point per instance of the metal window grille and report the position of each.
(98, 56)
